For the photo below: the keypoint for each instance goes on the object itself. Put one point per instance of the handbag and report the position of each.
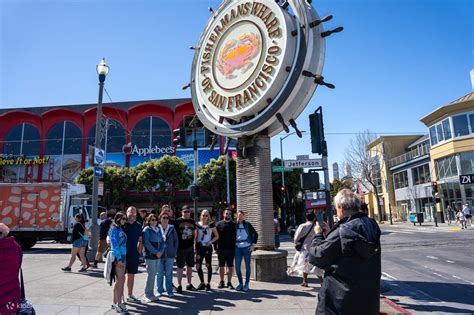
(299, 243)
(26, 308)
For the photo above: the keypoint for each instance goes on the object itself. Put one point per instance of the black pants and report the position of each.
(204, 252)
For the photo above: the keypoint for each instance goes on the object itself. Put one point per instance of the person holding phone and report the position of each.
(301, 265)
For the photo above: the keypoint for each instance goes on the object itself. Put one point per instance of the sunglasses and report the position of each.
(123, 219)
(186, 211)
(153, 220)
(205, 215)
(164, 218)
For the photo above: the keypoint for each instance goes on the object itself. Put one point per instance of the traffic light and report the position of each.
(318, 145)
(434, 187)
(282, 189)
(179, 137)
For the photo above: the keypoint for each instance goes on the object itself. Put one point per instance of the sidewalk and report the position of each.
(429, 225)
(54, 292)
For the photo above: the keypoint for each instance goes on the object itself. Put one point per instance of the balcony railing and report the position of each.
(411, 155)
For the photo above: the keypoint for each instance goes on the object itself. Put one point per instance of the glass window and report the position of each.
(31, 141)
(460, 125)
(471, 120)
(54, 138)
(439, 132)
(91, 138)
(467, 162)
(434, 139)
(115, 137)
(72, 139)
(401, 179)
(160, 133)
(446, 129)
(446, 167)
(141, 133)
(421, 174)
(13, 141)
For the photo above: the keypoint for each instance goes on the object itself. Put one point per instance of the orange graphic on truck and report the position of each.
(37, 207)
(237, 54)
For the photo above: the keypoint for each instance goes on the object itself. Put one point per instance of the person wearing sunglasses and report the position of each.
(154, 245)
(166, 261)
(118, 246)
(206, 235)
(226, 248)
(186, 229)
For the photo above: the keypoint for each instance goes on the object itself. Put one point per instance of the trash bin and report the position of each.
(416, 217)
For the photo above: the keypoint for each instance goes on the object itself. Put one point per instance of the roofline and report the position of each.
(380, 139)
(443, 111)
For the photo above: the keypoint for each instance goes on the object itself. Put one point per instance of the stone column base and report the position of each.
(269, 266)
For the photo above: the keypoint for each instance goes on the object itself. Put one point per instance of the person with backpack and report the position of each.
(246, 238)
(80, 238)
(303, 237)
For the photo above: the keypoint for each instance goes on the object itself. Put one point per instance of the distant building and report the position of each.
(348, 171)
(335, 171)
(451, 130)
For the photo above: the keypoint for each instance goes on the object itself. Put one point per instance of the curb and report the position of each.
(398, 309)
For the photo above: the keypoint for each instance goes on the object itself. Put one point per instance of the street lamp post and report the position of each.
(283, 174)
(102, 71)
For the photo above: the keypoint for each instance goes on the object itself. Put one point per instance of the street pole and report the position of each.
(102, 70)
(196, 161)
(227, 177)
(283, 210)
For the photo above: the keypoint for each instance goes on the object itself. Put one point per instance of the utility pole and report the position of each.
(196, 162)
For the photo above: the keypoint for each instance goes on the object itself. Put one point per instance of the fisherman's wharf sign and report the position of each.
(249, 62)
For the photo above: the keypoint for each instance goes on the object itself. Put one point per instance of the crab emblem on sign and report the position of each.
(238, 54)
(257, 65)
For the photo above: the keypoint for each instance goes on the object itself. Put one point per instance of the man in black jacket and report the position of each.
(351, 258)
(226, 247)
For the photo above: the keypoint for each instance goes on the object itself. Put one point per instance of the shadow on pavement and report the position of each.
(425, 293)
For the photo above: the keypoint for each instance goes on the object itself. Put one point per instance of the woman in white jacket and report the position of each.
(301, 264)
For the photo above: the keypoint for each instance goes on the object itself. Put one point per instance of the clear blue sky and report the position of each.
(396, 61)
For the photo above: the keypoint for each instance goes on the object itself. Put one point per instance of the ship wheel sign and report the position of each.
(256, 66)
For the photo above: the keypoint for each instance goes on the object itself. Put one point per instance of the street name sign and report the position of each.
(466, 179)
(279, 169)
(304, 163)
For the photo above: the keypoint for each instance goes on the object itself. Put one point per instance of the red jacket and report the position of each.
(10, 263)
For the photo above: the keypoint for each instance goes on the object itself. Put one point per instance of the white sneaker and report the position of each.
(120, 308)
(147, 299)
(133, 299)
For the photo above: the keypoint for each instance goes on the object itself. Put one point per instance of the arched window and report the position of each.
(53, 144)
(13, 140)
(67, 131)
(141, 133)
(160, 133)
(72, 139)
(23, 139)
(115, 137)
(31, 141)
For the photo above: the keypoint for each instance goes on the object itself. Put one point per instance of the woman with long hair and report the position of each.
(118, 246)
(207, 235)
(166, 261)
(154, 245)
(246, 238)
(79, 243)
(301, 264)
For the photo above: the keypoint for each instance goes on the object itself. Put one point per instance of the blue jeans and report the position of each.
(151, 269)
(239, 254)
(165, 270)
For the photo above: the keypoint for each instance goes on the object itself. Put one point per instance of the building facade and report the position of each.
(50, 144)
(451, 132)
(382, 150)
(335, 171)
(411, 177)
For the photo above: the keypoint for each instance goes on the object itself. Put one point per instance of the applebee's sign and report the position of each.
(257, 65)
(147, 151)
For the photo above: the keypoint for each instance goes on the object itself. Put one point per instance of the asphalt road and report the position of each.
(429, 269)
